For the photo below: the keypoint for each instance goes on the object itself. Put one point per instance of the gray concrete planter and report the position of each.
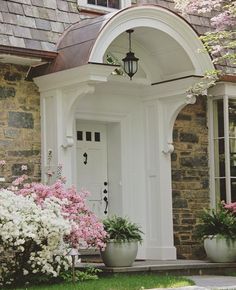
(120, 254)
(220, 250)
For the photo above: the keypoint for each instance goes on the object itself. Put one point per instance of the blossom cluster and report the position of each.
(35, 236)
(40, 224)
(87, 230)
(224, 10)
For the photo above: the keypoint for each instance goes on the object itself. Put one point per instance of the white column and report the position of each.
(160, 117)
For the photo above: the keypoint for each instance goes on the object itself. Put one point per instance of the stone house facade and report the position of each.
(36, 34)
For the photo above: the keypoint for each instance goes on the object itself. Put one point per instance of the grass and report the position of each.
(121, 282)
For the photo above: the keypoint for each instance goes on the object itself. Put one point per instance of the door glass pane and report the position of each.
(233, 189)
(219, 157)
(88, 136)
(79, 135)
(220, 190)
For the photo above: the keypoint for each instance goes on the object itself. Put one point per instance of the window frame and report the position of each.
(212, 117)
(84, 5)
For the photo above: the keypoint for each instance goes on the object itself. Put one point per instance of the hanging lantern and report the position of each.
(130, 61)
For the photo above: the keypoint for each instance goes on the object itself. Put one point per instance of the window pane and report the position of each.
(97, 136)
(232, 144)
(218, 119)
(233, 189)
(88, 136)
(114, 4)
(102, 3)
(220, 190)
(232, 118)
(219, 157)
(79, 135)
(91, 2)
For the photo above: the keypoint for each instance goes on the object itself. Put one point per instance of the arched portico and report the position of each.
(138, 116)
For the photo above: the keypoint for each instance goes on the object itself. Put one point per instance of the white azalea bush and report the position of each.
(32, 238)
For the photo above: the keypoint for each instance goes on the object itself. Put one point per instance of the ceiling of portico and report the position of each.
(160, 56)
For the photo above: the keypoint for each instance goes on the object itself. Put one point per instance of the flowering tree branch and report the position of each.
(220, 42)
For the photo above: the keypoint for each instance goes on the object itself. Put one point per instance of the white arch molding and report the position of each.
(145, 113)
(157, 18)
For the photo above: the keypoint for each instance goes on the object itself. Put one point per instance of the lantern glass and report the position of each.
(130, 64)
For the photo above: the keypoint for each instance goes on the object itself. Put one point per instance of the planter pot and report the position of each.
(119, 254)
(219, 249)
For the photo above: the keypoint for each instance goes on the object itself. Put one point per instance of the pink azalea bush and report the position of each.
(39, 225)
(87, 230)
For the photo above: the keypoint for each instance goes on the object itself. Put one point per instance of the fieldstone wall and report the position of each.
(19, 123)
(190, 176)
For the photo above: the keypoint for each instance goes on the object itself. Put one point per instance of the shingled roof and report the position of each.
(38, 24)
(35, 24)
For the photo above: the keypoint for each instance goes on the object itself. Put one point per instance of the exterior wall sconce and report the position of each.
(130, 61)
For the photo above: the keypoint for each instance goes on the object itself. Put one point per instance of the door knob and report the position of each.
(106, 201)
(85, 155)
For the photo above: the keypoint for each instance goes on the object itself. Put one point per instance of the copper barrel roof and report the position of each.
(76, 43)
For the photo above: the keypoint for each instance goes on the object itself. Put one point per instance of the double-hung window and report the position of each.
(223, 148)
(105, 5)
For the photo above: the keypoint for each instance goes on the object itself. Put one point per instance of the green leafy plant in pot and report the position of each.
(217, 229)
(122, 241)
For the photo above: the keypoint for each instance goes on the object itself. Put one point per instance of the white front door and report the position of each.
(92, 165)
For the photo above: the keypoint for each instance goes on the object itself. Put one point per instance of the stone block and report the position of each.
(188, 137)
(184, 117)
(24, 153)
(173, 157)
(5, 144)
(180, 203)
(15, 8)
(17, 171)
(11, 133)
(20, 120)
(7, 92)
(12, 76)
(194, 161)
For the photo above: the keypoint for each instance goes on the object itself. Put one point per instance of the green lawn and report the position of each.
(122, 282)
